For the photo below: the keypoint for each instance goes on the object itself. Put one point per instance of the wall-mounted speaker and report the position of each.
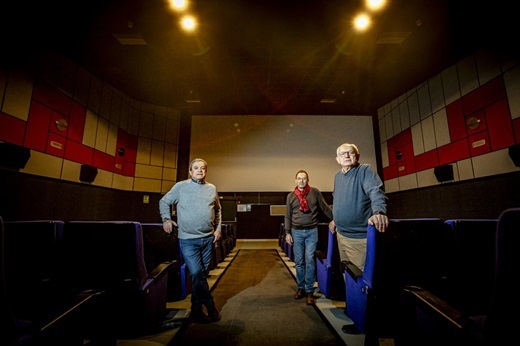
(444, 173)
(13, 156)
(87, 173)
(514, 154)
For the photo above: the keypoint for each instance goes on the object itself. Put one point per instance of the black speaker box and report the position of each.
(514, 154)
(13, 156)
(87, 173)
(443, 173)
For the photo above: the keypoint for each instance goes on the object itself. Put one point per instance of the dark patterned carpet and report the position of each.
(255, 296)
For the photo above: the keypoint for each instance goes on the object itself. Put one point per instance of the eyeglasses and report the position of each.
(350, 153)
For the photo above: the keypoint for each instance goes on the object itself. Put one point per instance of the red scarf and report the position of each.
(301, 197)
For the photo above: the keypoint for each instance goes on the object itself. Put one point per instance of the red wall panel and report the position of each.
(103, 161)
(453, 152)
(500, 128)
(456, 123)
(426, 160)
(78, 152)
(487, 94)
(77, 122)
(55, 145)
(37, 127)
(12, 129)
(479, 144)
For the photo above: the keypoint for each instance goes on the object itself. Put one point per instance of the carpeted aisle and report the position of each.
(255, 295)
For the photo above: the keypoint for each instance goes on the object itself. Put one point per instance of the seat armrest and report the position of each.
(435, 306)
(158, 273)
(320, 255)
(70, 311)
(351, 269)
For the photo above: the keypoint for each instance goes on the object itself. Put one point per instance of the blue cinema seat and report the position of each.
(160, 247)
(109, 256)
(436, 320)
(409, 252)
(36, 307)
(329, 275)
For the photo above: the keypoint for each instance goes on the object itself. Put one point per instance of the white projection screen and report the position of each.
(263, 153)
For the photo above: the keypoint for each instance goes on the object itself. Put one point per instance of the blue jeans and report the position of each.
(197, 256)
(305, 242)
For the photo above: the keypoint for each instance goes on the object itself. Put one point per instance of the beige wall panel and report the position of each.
(102, 135)
(384, 154)
(3, 83)
(173, 120)
(512, 83)
(94, 95)
(170, 155)
(496, 162)
(90, 129)
(146, 124)
(146, 171)
(133, 121)
(106, 101)
(166, 186)
(157, 157)
(147, 185)
(428, 134)
(144, 150)
(465, 169)
(426, 178)
(122, 182)
(468, 78)
(417, 139)
(169, 174)
(71, 170)
(404, 114)
(488, 66)
(436, 93)
(392, 185)
(43, 165)
(450, 84)
(408, 182)
(103, 178)
(159, 124)
(442, 131)
(425, 103)
(18, 94)
(396, 120)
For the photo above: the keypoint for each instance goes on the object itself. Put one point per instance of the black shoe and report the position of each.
(310, 298)
(299, 294)
(213, 314)
(198, 316)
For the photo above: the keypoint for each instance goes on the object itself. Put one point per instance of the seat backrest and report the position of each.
(409, 252)
(473, 265)
(31, 259)
(499, 326)
(107, 255)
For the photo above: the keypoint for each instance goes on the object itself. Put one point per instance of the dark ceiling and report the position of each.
(257, 56)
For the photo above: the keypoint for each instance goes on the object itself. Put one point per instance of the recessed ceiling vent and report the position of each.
(393, 37)
(130, 39)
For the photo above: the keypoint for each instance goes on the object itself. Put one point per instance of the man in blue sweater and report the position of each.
(199, 218)
(358, 200)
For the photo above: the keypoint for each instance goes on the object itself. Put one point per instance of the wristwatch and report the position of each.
(380, 213)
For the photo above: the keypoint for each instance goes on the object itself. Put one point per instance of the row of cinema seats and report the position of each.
(67, 282)
(431, 282)
(426, 281)
(48, 264)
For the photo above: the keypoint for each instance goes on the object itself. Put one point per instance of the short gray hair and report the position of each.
(198, 160)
